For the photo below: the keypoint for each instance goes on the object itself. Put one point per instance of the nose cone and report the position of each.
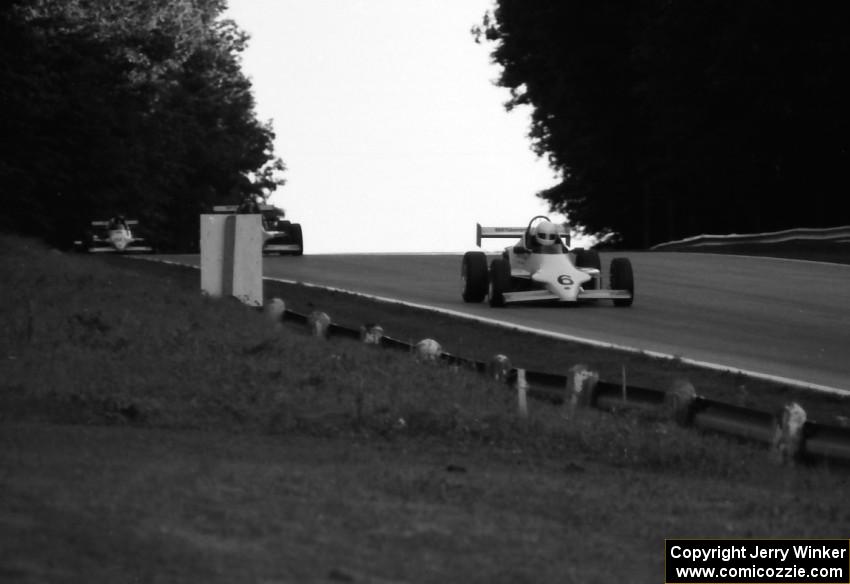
(567, 291)
(564, 284)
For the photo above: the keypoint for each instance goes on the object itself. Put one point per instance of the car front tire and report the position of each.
(500, 281)
(298, 238)
(473, 273)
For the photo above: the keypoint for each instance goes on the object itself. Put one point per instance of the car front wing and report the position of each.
(545, 295)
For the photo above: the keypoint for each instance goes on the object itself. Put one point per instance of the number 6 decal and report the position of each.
(565, 280)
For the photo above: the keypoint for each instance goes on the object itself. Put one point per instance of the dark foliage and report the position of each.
(136, 107)
(668, 118)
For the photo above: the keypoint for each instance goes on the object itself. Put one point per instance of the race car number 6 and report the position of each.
(565, 280)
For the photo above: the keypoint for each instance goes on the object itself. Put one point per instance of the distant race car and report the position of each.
(113, 236)
(279, 235)
(540, 267)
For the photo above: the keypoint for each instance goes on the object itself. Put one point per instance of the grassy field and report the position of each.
(151, 435)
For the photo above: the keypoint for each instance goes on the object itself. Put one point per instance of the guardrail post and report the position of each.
(499, 367)
(274, 310)
(371, 334)
(680, 402)
(787, 444)
(319, 323)
(580, 389)
(522, 393)
(427, 350)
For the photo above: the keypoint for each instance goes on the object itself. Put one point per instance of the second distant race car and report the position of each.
(280, 236)
(113, 236)
(540, 267)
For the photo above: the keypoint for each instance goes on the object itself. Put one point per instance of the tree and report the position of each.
(137, 107)
(671, 118)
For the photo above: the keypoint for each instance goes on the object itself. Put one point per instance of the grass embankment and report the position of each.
(150, 434)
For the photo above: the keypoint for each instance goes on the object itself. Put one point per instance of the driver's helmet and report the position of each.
(546, 233)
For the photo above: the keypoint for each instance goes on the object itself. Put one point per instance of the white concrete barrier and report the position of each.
(232, 257)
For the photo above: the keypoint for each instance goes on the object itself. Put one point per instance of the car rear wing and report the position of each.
(510, 232)
(106, 223)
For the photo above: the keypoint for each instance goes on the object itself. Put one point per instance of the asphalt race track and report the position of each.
(784, 318)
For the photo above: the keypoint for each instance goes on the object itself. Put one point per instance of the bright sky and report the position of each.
(393, 132)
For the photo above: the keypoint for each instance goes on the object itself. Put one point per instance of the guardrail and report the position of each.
(790, 436)
(829, 234)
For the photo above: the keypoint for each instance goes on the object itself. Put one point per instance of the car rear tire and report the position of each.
(473, 273)
(500, 281)
(622, 278)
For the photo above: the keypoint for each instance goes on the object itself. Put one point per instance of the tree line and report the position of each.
(670, 118)
(136, 107)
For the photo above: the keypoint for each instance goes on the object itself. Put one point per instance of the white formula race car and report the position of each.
(540, 267)
(279, 235)
(113, 236)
